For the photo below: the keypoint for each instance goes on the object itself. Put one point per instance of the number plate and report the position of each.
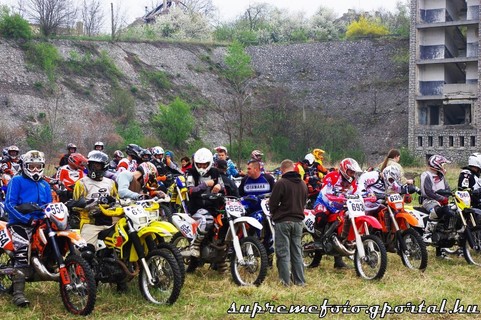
(395, 197)
(355, 207)
(57, 208)
(265, 206)
(465, 197)
(234, 207)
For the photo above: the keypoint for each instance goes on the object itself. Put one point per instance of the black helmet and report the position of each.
(134, 151)
(94, 171)
(145, 155)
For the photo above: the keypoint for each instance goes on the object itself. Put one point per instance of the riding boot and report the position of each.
(338, 263)
(19, 288)
(195, 246)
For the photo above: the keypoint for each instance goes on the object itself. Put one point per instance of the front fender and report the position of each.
(74, 237)
(371, 221)
(253, 222)
(155, 229)
(403, 217)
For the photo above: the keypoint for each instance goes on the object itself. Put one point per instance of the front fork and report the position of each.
(140, 251)
(398, 232)
(235, 240)
(64, 276)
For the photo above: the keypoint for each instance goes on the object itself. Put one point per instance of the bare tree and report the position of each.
(118, 18)
(51, 14)
(92, 17)
(204, 7)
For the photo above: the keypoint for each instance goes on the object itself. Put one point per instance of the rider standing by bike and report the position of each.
(433, 180)
(342, 181)
(29, 187)
(469, 178)
(12, 165)
(70, 173)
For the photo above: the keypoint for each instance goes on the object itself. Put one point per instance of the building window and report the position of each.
(473, 141)
(457, 114)
(440, 141)
(461, 141)
(451, 141)
(420, 141)
(430, 141)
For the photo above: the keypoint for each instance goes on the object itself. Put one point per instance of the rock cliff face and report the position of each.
(361, 81)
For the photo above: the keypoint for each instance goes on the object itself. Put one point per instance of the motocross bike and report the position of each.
(51, 241)
(370, 257)
(248, 260)
(464, 231)
(130, 247)
(398, 233)
(179, 195)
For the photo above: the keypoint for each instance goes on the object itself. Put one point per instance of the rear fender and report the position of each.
(5, 238)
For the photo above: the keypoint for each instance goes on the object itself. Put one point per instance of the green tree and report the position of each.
(13, 26)
(174, 123)
(365, 27)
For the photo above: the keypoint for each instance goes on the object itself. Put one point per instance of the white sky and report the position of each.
(230, 9)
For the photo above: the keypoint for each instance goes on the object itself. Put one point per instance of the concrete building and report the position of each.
(444, 71)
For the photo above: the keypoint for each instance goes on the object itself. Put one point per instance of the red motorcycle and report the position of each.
(370, 257)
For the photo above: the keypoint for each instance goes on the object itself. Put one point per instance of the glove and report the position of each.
(444, 201)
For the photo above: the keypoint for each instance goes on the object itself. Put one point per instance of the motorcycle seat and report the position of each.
(107, 232)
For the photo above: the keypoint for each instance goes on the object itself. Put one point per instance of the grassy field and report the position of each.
(209, 295)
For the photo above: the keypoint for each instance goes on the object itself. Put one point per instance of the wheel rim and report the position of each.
(370, 265)
(77, 292)
(307, 255)
(5, 280)
(472, 255)
(249, 271)
(183, 244)
(412, 255)
(163, 280)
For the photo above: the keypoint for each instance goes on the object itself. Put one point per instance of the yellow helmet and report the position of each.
(318, 154)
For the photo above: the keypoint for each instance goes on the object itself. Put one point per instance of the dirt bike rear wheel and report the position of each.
(374, 264)
(6, 261)
(471, 255)
(254, 269)
(175, 252)
(166, 277)
(79, 296)
(416, 256)
(311, 258)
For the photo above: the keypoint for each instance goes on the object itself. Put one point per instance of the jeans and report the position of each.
(289, 252)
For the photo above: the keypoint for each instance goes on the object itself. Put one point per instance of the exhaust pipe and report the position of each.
(341, 248)
(42, 272)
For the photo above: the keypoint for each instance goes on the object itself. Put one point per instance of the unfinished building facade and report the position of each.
(444, 88)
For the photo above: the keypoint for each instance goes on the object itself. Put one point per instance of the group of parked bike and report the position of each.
(170, 221)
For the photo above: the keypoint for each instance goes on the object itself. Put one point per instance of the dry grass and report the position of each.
(208, 295)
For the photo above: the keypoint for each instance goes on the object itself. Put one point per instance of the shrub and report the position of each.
(121, 106)
(158, 79)
(13, 26)
(45, 56)
(365, 27)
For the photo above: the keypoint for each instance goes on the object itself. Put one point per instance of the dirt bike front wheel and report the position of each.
(253, 270)
(473, 255)
(373, 265)
(167, 281)
(175, 252)
(80, 294)
(416, 255)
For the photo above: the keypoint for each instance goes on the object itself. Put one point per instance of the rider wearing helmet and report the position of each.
(99, 146)
(318, 159)
(202, 178)
(338, 181)
(70, 173)
(12, 164)
(118, 155)
(29, 187)
(131, 183)
(469, 175)
(433, 180)
(71, 148)
(146, 155)
(133, 158)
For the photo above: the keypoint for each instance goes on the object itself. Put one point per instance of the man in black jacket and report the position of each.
(286, 204)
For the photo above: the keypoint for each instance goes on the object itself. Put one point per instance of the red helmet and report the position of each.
(349, 169)
(437, 163)
(77, 161)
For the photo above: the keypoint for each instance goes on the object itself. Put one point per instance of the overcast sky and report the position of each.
(230, 9)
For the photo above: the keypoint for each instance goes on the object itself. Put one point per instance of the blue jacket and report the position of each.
(23, 190)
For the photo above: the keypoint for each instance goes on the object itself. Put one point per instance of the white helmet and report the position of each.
(392, 178)
(475, 160)
(203, 156)
(310, 157)
(33, 163)
(157, 150)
